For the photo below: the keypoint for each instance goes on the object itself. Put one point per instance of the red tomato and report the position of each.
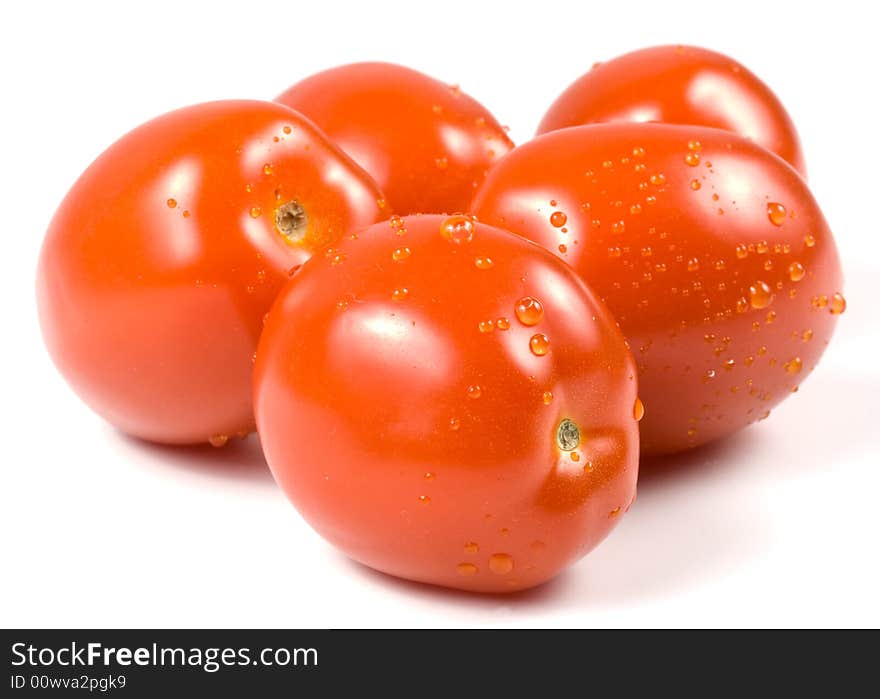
(161, 261)
(679, 85)
(448, 403)
(427, 144)
(710, 251)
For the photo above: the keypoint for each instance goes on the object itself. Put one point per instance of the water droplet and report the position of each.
(172, 203)
(458, 229)
(547, 397)
(618, 227)
(256, 211)
(381, 203)
(809, 241)
(539, 344)
(658, 179)
(794, 365)
(638, 409)
(502, 324)
(441, 163)
(454, 424)
(186, 214)
(501, 563)
(760, 295)
(614, 513)
(395, 221)
(614, 252)
(429, 476)
(692, 159)
(563, 248)
(286, 129)
(529, 311)
(568, 435)
(776, 213)
(695, 185)
(424, 499)
(484, 263)
(486, 326)
(574, 456)
(399, 294)
(471, 547)
(558, 219)
(693, 264)
(807, 335)
(400, 254)
(218, 440)
(267, 169)
(694, 145)
(474, 391)
(796, 271)
(608, 164)
(638, 152)
(838, 304)
(467, 569)
(762, 247)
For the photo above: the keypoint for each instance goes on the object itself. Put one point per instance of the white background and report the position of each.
(776, 527)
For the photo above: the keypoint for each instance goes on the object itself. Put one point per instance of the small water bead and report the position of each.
(474, 391)
(547, 397)
(794, 365)
(692, 159)
(501, 563)
(776, 213)
(424, 499)
(441, 163)
(614, 252)
(607, 164)
(807, 335)
(172, 203)
(454, 424)
(638, 152)
(267, 169)
(484, 263)
(635, 209)
(563, 248)
(401, 254)
(558, 219)
(395, 221)
(218, 440)
(458, 229)
(695, 185)
(618, 227)
(819, 301)
(399, 294)
(657, 179)
(429, 476)
(762, 247)
(638, 409)
(838, 304)
(768, 265)
(286, 129)
(255, 212)
(186, 214)
(574, 456)
(466, 569)
(614, 513)
(486, 326)
(796, 271)
(760, 295)
(693, 264)
(502, 324)
(472, 547)
(539, 344)
(529, 311)
(809, 241)
(337, 259)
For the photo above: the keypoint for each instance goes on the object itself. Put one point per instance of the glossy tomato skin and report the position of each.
(426, 143)
(404, 410)
(710, 251)
(679, 85)
(160, 263)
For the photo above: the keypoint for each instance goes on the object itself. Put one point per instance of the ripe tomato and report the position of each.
(448, 403)
(161, 261)
(427, 144)
(679, 85)
(710, 251)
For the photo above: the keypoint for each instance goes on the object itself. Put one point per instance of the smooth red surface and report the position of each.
(679, 85)
(418, 435)
(672, 225)
(162, 259)
(426, 143)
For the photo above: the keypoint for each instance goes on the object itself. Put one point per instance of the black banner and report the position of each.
(275, 663)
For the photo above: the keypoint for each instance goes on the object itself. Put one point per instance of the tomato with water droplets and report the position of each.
(163, 258)
(530, 445)
(679, 85)
(427, 144)
(718, 288)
